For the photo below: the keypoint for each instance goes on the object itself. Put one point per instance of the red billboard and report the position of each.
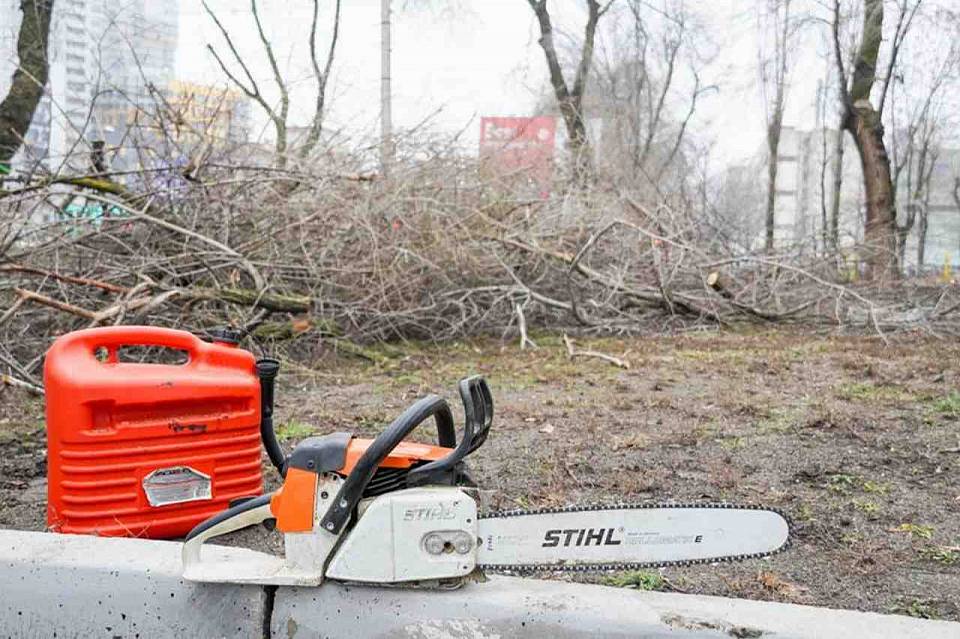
(520, 147)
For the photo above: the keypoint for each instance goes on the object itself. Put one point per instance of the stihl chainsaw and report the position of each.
(391, 511)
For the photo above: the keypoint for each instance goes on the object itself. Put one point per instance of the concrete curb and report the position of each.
(76, 586)
(513, 607)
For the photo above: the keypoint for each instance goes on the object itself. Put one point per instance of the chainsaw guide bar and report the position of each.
(568, 566)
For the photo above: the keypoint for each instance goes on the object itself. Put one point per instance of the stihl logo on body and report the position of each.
(580, 537)
(429, 513)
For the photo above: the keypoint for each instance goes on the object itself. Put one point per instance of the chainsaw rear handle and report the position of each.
(477, 418)
(356, 482)
(247, 513)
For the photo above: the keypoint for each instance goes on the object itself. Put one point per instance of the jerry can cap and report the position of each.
(223, 335)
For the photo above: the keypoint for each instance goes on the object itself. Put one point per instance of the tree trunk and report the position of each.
(570, 100)
(921, 243)
(863, 122)
(773, 145)
(837, 190)
(580, 151)
(29, 78)
(775, 123)
(880, 227)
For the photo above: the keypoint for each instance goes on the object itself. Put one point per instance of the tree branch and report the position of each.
(316, 125)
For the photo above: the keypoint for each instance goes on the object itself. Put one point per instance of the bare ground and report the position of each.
(858, 441)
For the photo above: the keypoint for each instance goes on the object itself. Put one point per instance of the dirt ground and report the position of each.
(858, 441)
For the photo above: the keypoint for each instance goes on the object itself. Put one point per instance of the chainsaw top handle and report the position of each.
(353, 486)
(477, 418)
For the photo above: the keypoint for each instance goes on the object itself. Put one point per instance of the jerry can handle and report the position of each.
(113, 337)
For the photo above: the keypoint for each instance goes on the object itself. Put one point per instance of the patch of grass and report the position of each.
(867, 507)
(948, 405)
(946, 555)
(842, 483)
(865, 392)
(371, 420)
(294, 430)
(919, 608)
(851, 539)
(407, 379)
(778, 420)
(639, 579)
(917, 531)
(875, 488)
(804, 513)
(733, 357)
(731, 443)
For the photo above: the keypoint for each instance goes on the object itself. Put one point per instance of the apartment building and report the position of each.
(107, 61)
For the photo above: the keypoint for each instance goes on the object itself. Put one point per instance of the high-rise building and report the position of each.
(135, 55)
(207, 113)
(108, 61)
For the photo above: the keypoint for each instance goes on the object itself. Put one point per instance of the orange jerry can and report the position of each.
(148, 449)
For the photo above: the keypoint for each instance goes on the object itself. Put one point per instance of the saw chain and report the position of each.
(623, 566)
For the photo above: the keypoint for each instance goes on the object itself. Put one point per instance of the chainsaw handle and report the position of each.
(247, 513)
(477, 419)
(356, 482)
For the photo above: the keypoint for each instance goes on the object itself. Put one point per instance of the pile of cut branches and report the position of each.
(326, 256)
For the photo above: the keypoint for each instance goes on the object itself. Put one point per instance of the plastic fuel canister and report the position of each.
(148, 449)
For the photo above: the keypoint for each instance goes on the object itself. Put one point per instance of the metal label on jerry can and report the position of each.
(176, 485)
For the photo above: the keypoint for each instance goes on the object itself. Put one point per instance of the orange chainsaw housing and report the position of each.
(294, 502)
(148, 449)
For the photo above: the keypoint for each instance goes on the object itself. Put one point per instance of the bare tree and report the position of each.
(279, 116)
(913, 171)
(773, 75)
(29, 78)
(920, 118)
(570, 99)
(863, 121)
(640, 84)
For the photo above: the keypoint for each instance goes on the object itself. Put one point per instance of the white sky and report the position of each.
(480, 57)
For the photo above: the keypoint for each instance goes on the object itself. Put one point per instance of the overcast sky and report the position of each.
(468, 58)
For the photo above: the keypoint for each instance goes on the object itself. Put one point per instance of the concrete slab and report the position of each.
(793, 621)
(511, 607)
(503, 607)
(78, 586)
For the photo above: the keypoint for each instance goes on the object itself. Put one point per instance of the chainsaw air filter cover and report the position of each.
(148, 449)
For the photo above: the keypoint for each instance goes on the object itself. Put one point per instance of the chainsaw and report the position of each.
(393, 511)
